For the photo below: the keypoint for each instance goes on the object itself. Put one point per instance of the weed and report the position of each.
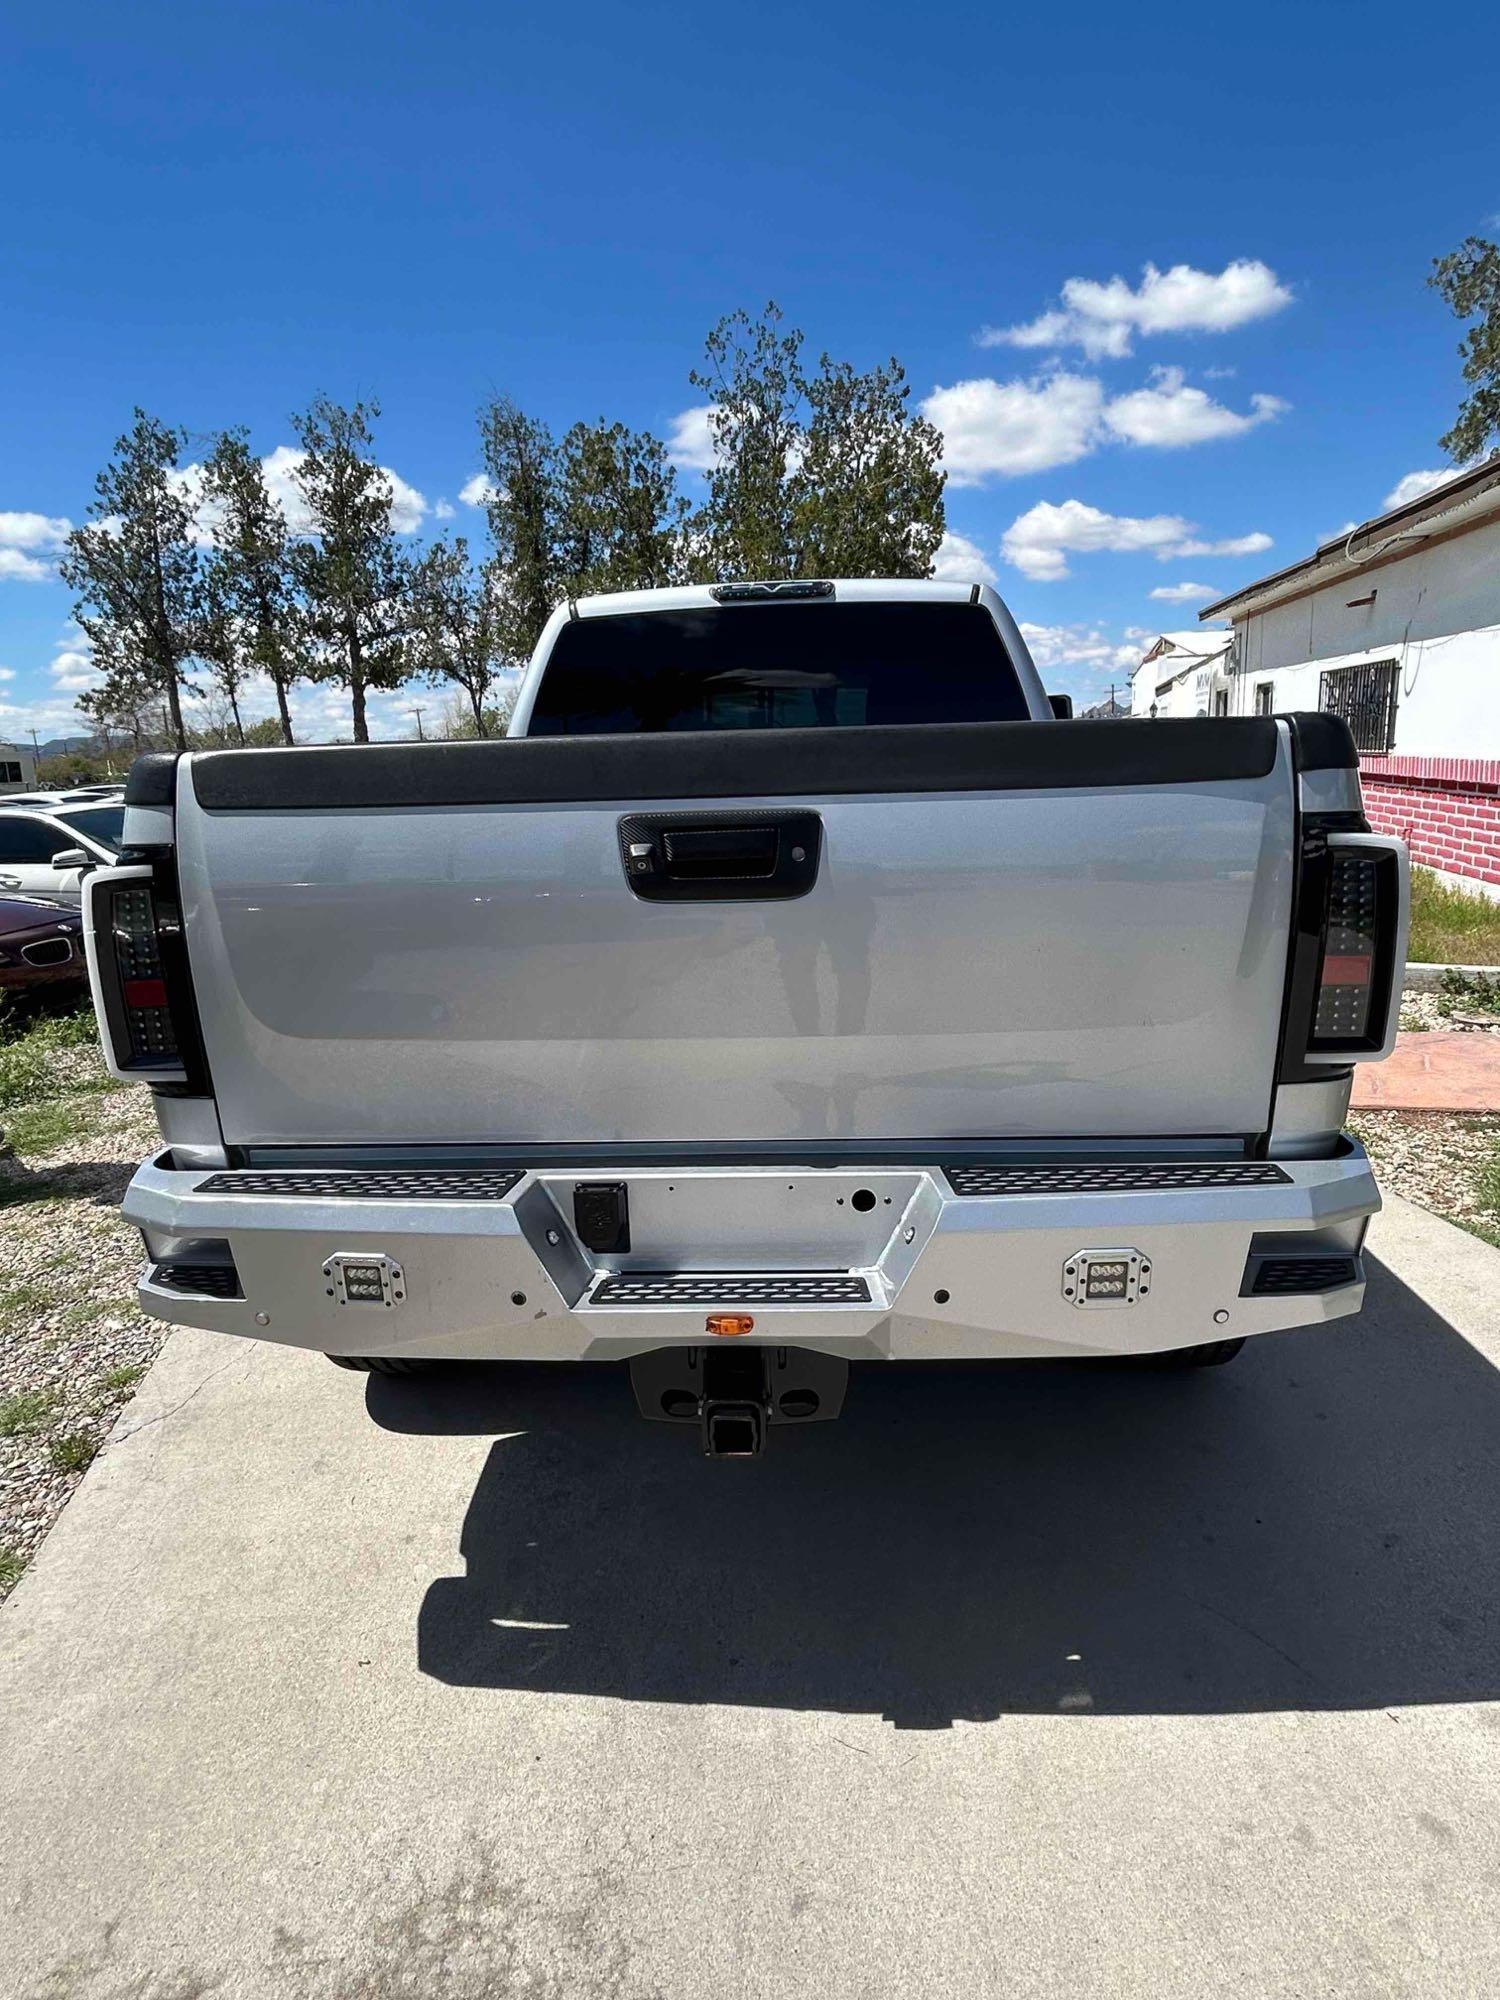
(36, 1129)
(23, 1302)
(123, 1378)
(1470, 993)
(74, 1451)
(11, 1566)
(26, 1411)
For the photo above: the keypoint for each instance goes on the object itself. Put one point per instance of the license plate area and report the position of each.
(755, 1219)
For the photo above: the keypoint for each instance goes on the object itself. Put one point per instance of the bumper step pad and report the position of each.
(1114, 1177)
(731, 1288)
(371, 1184)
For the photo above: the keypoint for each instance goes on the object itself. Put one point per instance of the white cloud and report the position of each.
(30, 544)
(958, 560)
(690, 439)
(443, 510)
(476, 491)
(1231, 545)
(1411, 486)
(1184, 593)
(1013, 427)
(1101, 318)
(1055, 418)
(1075, 646)
(1169, 412)
(1039, 541)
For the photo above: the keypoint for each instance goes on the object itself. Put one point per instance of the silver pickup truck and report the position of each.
(792, 986)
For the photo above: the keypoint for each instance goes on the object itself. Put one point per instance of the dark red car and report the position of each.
(41, 944)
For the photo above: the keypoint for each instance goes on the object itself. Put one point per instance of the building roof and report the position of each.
(1463, 502)
(1178, 653)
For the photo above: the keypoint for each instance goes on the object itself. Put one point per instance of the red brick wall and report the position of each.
(1446, 808)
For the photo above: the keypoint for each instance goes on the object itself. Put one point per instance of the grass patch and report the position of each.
(27, 1411)
(74, 1451)
(123, 1378)
(34, 1053)
(23, 1302)
(33, 1129)
(1451, 926)
(11, 1566)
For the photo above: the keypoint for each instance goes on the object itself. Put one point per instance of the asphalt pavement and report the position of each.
(1035, 1679)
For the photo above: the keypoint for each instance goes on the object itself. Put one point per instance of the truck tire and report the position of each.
(382, 1364)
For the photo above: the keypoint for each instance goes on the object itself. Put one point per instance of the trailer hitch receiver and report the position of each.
(737, 1395)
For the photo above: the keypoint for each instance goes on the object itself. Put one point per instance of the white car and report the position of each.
(47, 849)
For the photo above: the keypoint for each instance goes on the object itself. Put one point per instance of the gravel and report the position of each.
(72, 1342)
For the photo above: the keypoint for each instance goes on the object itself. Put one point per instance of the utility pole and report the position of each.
(418, 714)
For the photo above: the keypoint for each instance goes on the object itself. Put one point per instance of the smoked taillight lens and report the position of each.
(138, 974)
(1363, 942)
(136, 942)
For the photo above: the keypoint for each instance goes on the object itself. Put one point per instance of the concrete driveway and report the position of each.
(1033, 1680)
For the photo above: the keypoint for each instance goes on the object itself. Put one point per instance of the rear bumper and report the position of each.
(889, 1263)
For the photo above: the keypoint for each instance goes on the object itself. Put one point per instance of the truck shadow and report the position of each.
(1315, 1527)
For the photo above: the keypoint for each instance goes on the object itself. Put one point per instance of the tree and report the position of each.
(522, 502)
(1469, 279)
(250, 571)
(754, 378)
(135, 569)
(867, 491)
(220, 645)
(600, 511)
(620, 518)
(457, 619)
(353, 576)
(815, 474)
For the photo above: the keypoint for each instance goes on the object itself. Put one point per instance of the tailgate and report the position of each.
(1014, 930)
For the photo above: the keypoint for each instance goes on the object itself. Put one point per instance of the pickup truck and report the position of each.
(792, 986)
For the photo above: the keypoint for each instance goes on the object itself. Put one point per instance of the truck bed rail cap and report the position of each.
(742, 763)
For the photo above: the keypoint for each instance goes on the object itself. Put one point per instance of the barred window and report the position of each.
(1365, 698)
(1265, 695)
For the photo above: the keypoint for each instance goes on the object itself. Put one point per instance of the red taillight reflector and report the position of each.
(1347, 971)
(145, 992)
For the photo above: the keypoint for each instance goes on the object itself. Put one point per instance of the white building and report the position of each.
(1182, 673)
(1395, 626)
(17, 769)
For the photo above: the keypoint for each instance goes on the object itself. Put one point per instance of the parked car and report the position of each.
(792, 988)
(48, 849)
(41, 944)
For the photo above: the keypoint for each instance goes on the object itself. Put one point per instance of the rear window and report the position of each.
(777, 666)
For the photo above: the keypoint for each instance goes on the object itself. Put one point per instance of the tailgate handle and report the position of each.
(708, 853)
(720, 857)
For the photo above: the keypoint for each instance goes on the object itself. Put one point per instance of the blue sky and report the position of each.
(219, 212)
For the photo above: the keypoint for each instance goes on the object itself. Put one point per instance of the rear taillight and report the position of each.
(139, 974)
(136, 942)
(1362, 947)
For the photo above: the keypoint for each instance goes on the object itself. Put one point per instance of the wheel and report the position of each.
(1212, 1354)
(382, 1364)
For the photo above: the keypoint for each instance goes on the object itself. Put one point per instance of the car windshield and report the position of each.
(104, 824)
(777, 666)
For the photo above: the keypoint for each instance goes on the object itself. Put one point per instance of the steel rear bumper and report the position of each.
(886, 1263)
